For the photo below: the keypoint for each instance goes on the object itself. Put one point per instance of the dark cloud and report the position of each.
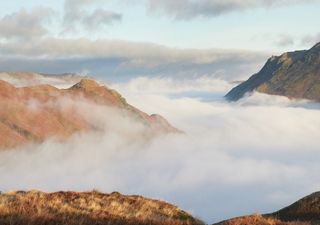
(189, 9)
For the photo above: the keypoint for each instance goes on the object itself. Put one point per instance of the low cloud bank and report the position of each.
(255, 155)
(24, 79)
(169, 85)
(121, 60)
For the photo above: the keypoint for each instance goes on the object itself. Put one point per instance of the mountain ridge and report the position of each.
(29, 113)
(293, 74)
(305, 211)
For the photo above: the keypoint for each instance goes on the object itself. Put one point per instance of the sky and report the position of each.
(278, 25)
(177, 58)
(116, 39)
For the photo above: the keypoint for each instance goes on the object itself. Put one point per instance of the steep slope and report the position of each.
(305, 211)
(293, 74)
(36, 113)
(88, 208)
(259, 220)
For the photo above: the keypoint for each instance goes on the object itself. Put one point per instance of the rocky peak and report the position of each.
(293, 74)
(87, 84)
(30, 116)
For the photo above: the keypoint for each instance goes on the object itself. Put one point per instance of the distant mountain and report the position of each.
(305, 211)
(88, 208)
(23, 79)
(293, 74)
(34, 113)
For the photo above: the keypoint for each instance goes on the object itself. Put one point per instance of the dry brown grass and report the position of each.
(87, 208)
(260, 220)
(306, 209)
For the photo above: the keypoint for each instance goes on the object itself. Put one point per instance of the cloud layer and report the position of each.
(190, 9)
(256, 155)
(123, 59)
(25, 24)
(77, 16)
(29, 43)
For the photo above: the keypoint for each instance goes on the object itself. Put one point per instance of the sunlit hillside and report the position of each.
(88, 208)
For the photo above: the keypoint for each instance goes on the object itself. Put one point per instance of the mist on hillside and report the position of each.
(255, 155)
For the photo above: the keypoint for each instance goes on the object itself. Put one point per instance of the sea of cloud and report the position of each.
(255, 155)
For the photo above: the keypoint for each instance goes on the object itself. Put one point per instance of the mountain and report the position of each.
(305, 211)
(36, 113)
(88, 208)
(259, 220)
(293, 74)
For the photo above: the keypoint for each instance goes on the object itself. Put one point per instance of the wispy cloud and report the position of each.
(190, 9)
(285, 40)
(78, 14)
(311, 39)
(25, 24)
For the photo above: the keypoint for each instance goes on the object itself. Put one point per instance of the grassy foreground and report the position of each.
(88, 208)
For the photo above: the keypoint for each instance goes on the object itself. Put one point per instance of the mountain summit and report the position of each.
(293, 74)
(36, 113)
(305, 209)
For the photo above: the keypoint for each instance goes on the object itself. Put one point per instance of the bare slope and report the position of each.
(293, 74)
(305, 211)
(34, 113)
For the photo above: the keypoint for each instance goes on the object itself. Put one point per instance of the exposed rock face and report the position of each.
(87, 208)
(306, 211)
(293, 74)
(30, 114)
